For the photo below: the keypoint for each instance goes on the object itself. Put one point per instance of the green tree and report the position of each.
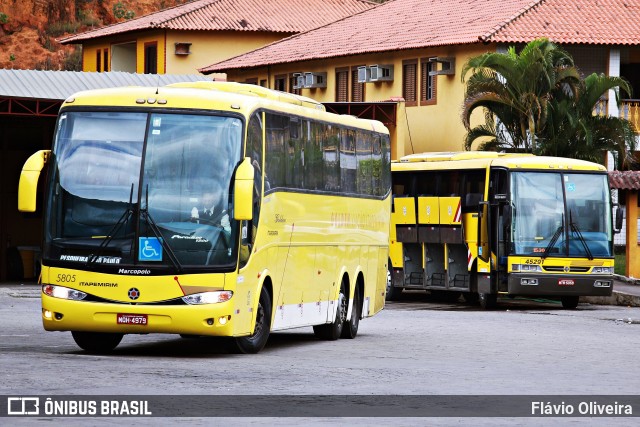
(516, 88)
(575, 129)
(535, 101)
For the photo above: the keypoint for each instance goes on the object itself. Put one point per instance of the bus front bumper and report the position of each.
(560, 285)
(206, 319)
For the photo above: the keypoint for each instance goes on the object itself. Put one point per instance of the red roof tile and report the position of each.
(577, 21)
(628, 180)
(288, 16)
(407, 24)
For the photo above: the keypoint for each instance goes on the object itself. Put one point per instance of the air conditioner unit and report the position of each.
(364, 74)
(381, 73)
(313, 80)
(298, 80)
(448, 66)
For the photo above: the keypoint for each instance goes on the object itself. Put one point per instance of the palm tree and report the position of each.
(573, 130)
(516, 88)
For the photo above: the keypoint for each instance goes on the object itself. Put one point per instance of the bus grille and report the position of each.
(561, 269)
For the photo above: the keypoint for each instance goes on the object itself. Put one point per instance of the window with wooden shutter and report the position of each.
(106, 60)
(342, 85)
(357, 89)
(280, 83)
(427, 82)
(410, 82)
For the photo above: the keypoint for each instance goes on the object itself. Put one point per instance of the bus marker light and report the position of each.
(602, 284)
(46, 314)
(223, 320)
(58, 316)
(209, 321)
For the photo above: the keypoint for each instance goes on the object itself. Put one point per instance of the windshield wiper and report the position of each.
(151, 224)
(576, 230)
(124, 219)
(554, 239)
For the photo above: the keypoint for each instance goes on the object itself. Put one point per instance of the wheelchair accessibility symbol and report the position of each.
(149, 249)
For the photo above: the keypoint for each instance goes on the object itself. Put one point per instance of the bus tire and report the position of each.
(332, 331)
(392, 293)
(350, 327)
(256, 342)
(96, 342)
(570, 302)
(488, 301)
(470, 297)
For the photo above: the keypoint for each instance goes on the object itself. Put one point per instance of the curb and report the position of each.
(617, 298)
(630, 280)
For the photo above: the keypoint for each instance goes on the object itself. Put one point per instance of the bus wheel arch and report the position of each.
(255, 342)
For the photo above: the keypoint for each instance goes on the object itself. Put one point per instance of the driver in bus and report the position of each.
(210, 211)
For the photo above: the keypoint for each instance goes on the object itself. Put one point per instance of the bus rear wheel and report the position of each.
(96, 342)
(256, 342)
(392, 293)
(350, 327)
(570, 302)
(332, 331)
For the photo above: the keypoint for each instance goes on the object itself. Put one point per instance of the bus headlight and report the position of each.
(63, 293)
(526, 267)
(208, 297)
(602, 270)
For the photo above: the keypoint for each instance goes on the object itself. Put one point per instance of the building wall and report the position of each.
(210, 47)
(419, 128)
(206, 48)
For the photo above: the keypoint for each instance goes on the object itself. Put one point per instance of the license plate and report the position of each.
(566, 282)
(131, 319)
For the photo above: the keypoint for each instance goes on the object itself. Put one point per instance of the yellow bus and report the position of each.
(210, 209)
(486, 224)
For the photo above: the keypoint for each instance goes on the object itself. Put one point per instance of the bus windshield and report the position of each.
(143, 188)
(560, 214)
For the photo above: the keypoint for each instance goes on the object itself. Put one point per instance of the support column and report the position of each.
(614, 71)
(633, 249)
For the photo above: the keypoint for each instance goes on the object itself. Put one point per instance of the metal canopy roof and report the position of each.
(59, 85)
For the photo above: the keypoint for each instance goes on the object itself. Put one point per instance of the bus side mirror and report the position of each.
(29, 177)
(243, 191)
(619, 218)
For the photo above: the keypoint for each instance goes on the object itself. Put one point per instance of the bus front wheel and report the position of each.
(96, 342)
(256, 342)
(332, 331)
(488, 301)
(570, 302)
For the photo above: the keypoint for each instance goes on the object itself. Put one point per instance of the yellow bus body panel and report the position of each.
(429, 210)
(450, 210)
(405, 210)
